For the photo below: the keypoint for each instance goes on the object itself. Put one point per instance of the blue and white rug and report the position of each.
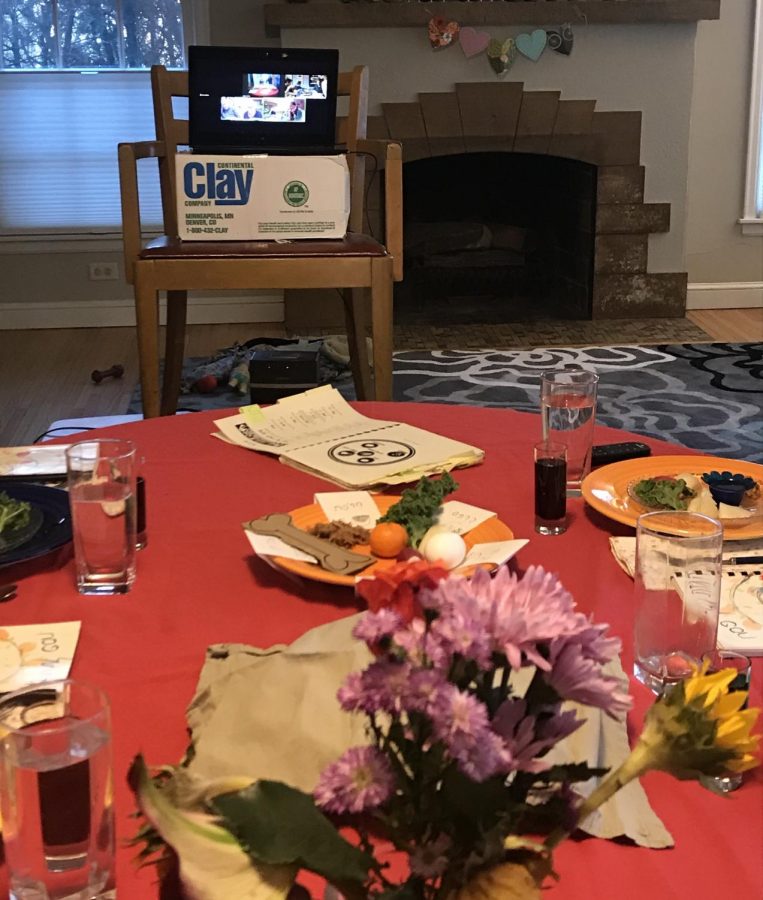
(705, 396)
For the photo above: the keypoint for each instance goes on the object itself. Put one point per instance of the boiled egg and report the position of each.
(441, 545)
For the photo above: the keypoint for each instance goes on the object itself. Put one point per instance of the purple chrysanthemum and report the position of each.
(360, 779)
(517, 729)
(430, 860)
(575, 677)
(460, 630)
(461, 722)
(381, 687)
(374, 627)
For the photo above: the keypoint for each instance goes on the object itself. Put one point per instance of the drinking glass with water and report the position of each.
(56, 792)
(102, 485)
(568, 411)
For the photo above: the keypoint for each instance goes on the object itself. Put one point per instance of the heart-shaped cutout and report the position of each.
(442, 33)
(533, 44)
(560, 40)
(501, 56)
(473, 42)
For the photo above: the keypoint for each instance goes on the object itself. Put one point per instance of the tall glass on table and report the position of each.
(677, 594)
(56, 792)
(101, 476)
(568, 411)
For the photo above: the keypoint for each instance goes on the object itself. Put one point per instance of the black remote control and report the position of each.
(602, 454)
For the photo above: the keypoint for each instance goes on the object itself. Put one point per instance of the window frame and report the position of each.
(752, 217)
(196, 30)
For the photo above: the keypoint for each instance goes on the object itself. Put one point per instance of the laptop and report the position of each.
(262, 100)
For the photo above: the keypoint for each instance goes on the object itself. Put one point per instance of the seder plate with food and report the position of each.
(728, 490)
(19, 522)
(407, 528)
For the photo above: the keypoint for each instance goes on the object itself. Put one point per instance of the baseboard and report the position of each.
(202, 310)
(725, 295)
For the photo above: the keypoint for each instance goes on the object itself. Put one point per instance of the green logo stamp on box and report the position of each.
(296, 193)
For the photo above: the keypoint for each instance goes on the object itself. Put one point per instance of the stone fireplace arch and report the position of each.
(503, 116)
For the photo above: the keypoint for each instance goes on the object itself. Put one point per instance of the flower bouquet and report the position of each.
(463, 702)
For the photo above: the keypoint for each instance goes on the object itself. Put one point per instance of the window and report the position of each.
(73, 84)
(752, 218)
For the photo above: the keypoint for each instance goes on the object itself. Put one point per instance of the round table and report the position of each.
(199, 584)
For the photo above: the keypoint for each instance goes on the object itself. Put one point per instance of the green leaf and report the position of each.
(213, 865)
(280, 825)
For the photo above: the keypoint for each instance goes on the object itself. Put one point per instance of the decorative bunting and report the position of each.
(473, 42)
(560, 40)
(501, 56)
(533, 44)
(442, 33)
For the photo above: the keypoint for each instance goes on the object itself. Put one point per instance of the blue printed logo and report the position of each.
(225, 187)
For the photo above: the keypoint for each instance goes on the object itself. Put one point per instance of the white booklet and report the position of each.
(319, 432)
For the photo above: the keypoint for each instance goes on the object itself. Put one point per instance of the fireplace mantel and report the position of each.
(413, 13)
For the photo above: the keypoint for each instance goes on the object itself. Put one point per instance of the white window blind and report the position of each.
(58, 150)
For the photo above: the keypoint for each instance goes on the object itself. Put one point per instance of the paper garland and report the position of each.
(501, 54)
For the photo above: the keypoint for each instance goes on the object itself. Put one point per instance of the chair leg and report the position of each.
(381, 325)
(147, 316)
(177, 303)
(356, 318)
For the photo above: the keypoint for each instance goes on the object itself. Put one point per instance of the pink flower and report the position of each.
(360, 779)
(461, 722)
(375, 627)
(575, 677)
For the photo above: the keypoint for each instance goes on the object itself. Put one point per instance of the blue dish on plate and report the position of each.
(56, 527)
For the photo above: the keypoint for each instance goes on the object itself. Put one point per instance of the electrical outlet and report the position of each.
(103, 271)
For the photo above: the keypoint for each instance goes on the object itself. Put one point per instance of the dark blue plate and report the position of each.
(56, 528)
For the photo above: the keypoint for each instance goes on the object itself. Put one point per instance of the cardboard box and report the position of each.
(249, 198)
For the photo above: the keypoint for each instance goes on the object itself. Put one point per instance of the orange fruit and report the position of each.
(388, 539)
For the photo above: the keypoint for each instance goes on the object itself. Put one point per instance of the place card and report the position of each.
(353, 507)
(496, 552)
(268, 545)
(31, 654)
(462, 517)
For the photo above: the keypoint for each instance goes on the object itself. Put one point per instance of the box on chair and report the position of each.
(250, 198)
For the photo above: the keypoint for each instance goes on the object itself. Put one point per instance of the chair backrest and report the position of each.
(173, 133)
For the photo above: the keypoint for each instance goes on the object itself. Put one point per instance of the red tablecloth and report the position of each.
(199, 584)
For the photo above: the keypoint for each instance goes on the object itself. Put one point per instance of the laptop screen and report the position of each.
(247, 98)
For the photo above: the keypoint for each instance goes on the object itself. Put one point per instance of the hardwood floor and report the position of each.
(45, 374)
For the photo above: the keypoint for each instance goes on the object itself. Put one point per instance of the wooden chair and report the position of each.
(355, 265)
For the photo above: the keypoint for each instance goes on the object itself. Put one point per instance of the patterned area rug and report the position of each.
(705, 396)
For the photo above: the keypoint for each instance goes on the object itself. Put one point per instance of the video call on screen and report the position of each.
(274, 97)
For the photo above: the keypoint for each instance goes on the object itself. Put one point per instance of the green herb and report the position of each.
(14, 514)
(663, 493)
(419, 506)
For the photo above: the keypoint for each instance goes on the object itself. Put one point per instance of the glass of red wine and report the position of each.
(550, 487)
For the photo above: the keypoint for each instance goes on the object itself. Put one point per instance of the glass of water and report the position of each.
(56, 792)
(101, 475)
(677, 594)
(568, 411)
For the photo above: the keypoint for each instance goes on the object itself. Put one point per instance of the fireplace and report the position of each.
(582, 150)
(619, 104)
(495, 237)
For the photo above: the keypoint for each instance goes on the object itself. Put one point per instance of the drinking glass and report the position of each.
(568, 411)
(728, 659)
(101, 477)
(56, 792)
(550, 488)
(677, 594)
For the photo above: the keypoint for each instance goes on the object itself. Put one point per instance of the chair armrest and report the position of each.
(390, 153)
(129, 154)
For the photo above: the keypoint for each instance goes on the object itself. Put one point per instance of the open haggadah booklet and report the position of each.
(319, 432)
